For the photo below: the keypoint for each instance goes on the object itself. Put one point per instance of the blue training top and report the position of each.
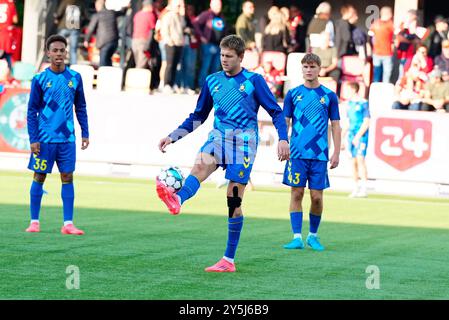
(50, 108)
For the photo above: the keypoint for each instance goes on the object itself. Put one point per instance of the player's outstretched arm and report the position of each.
(164, 143)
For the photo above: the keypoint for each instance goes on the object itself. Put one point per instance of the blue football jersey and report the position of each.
(235, 100)
(357, 111)
(50, 108)
(310, 110)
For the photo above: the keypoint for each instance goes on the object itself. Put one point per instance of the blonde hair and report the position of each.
(276, 24)
(323, 7)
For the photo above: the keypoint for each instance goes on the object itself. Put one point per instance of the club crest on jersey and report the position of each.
(242, 88)
(322, 100)
(48, 84)
(70, 84)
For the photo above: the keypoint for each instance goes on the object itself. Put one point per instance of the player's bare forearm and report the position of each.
(336, 138)
(363, 128)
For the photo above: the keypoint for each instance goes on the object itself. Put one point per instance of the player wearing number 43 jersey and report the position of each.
(54, 92)
(310, 107)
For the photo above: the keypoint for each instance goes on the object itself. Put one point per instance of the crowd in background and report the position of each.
(181, 46)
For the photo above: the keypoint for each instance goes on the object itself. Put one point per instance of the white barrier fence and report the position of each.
(407, 152)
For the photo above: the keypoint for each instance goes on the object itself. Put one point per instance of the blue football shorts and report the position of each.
(64, 154)
(236, 159)
(300, 171)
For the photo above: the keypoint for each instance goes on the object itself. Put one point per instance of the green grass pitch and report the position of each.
(133, 249)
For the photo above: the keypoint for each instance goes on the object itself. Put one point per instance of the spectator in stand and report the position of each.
(407, 94)
(407, 39)
(329, 58)
(172, 31)
(297, 28)
(245, 25)
(144, 23)
(126, 34)
(273, 78)
(320, 22)
(69, 17)
(343, 32)
(436, 94)
(360, 38)
(382, 32)
(442, 61)
(161, 42)
(420, 65)
(186, 75)
(211, 27)
(104, 25)
(275, 36)
(7, 22)
(437, 36)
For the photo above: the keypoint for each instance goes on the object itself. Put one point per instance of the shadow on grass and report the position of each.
(153, 255)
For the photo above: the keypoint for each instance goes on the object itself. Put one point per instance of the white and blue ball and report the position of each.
(172, 177)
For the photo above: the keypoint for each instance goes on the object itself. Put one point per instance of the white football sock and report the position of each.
(228, 259)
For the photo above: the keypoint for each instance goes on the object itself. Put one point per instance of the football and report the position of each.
(172, 177)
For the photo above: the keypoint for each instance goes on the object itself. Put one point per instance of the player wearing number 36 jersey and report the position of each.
(54, 92)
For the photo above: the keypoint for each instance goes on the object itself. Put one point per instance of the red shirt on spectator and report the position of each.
(8, 14)
(383, 32)
(427, 68)
(144, 22)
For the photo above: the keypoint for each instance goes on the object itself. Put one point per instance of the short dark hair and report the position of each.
(311, 58)
(234, 42)
(354, 85)
(55, 38)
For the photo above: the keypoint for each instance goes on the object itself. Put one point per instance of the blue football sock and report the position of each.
(189, 189)
(36, 193)
(314, 222)
(296, 221)
(234, 228)
(68, 197)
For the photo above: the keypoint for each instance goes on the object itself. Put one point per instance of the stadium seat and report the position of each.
(23, 72)
(109, 79)
(352, 68)
(87, 73)
(294, 71)
(4, 70)
(278, 59)
(250, 60)
(381, 97)
(344, 90)
(138, 80)
(329, 83)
